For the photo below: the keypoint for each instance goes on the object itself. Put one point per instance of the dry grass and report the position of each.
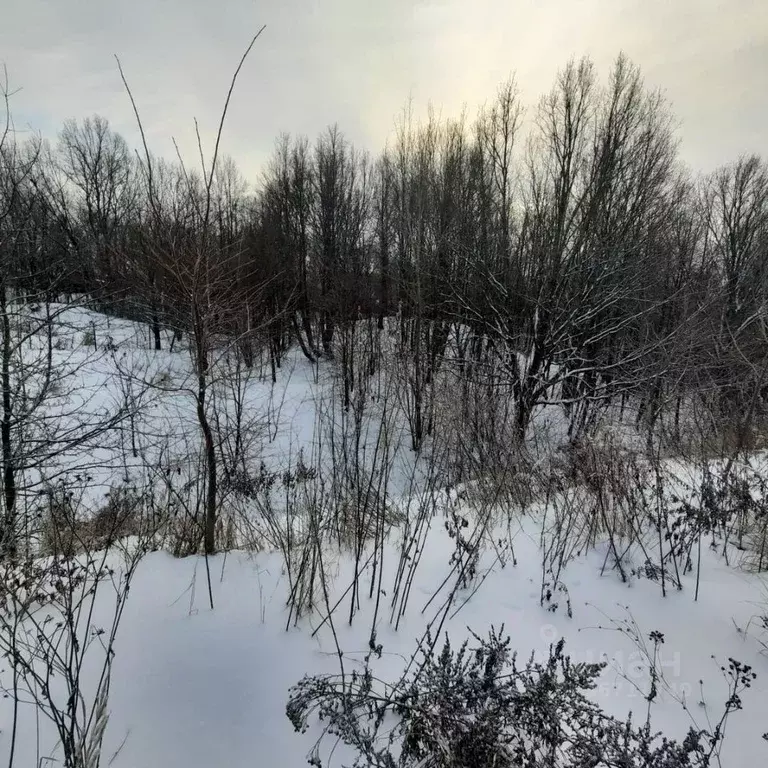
(68, 531)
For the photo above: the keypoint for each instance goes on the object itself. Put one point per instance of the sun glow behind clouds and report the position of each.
(357, 62)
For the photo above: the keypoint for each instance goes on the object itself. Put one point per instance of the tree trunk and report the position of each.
(7, 535)
(156, 330)
(209, 542)
(327, 334)
(201, 350)
(306, 346)
(523, 412)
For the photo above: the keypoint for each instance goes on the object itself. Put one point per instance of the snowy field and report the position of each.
(197, 687)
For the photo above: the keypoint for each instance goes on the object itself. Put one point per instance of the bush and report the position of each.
(61, 533)
(68, 530)
(88, 339)
(478, 707)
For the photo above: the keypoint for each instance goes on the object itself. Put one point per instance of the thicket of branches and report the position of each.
(582, 265)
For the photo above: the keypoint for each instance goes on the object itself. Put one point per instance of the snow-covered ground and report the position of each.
(198, 687)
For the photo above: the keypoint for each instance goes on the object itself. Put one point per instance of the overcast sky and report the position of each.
(356, 62)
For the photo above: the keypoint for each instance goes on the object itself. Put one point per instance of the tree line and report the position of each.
(561, 254)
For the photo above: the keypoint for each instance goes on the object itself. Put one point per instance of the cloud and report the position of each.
(357, 62)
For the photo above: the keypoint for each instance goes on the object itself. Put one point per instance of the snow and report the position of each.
(199, 687)
(195, 687)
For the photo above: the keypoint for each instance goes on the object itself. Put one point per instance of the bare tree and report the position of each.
(97, 165)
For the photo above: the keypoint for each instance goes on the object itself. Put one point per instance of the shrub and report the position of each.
(478, 706)
(68, 530)
(88, 339)
(61, 529)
